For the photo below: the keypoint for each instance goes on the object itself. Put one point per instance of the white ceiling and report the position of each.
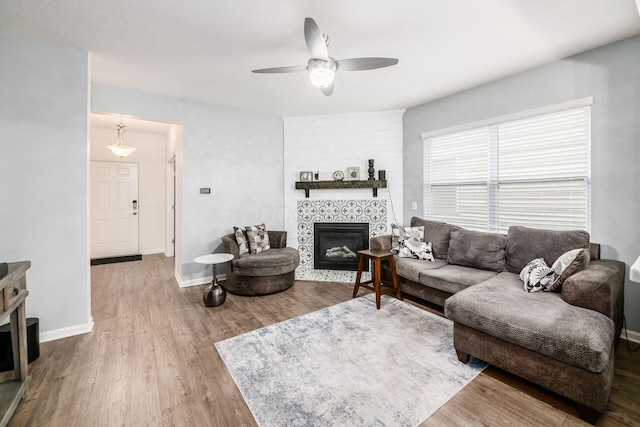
(204, 50)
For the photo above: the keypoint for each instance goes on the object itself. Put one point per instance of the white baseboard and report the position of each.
(152, 251)
(199, 281)
(70, 331)
(633, 336)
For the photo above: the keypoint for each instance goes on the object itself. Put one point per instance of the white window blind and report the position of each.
(532, 172)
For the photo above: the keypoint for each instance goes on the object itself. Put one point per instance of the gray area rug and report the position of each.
(349, 365)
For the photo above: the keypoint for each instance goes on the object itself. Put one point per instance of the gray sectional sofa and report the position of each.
(563, 341)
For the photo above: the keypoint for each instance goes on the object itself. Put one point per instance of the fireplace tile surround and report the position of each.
(308, 212)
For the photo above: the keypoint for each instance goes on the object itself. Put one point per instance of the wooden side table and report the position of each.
(376, 275)
(13, 290)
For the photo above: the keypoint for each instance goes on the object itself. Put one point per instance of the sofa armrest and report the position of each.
(600, 287)
(231, 246)
(380, 243)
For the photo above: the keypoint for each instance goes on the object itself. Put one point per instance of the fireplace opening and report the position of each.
(336, 245)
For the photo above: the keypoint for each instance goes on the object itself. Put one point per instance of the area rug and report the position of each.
(349, 365)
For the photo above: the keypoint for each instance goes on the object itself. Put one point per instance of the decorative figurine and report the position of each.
(371, 170)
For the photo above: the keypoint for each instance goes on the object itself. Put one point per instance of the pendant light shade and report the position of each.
(120, 148)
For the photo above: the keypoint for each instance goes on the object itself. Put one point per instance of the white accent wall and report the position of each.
(336, 142)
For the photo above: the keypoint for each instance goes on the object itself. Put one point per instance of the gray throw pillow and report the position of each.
(568, 264)
(258, 238)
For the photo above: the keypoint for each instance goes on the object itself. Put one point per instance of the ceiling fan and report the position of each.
(321, 67)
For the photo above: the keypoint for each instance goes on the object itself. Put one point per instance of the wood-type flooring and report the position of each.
(151, 361)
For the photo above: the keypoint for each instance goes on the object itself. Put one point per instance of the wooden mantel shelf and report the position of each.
(331, 185)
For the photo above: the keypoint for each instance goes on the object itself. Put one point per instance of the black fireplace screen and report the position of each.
(336, 245)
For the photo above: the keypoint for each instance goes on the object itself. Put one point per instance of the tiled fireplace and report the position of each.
(310, 212)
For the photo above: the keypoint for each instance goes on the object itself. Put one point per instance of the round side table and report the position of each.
(214, 294)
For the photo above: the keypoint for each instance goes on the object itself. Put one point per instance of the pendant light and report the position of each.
(120, 148)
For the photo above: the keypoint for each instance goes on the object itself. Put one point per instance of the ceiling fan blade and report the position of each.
(291, 69)
(358, 64)
(315, 40)
(327, 90)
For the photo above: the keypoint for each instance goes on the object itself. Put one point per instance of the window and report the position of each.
(532, 169)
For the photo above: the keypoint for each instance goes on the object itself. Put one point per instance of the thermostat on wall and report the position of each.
(205, 191)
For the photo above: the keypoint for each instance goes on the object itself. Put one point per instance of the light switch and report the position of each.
(414, 206)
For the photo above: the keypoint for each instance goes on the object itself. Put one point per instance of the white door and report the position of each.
(114, 209)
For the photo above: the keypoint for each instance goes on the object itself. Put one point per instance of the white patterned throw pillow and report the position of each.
(414, 248)
(400, 232)
(536, 275)
(241, 240)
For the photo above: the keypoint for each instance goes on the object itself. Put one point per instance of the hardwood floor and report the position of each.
(151, 361)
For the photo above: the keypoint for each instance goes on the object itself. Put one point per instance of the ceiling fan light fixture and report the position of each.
(321, 73)
(120, 148)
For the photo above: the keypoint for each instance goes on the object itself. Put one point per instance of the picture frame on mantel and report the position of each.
(353, 173)
(306, 176)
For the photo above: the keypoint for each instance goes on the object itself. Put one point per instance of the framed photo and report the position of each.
(306, 176)
(353, 173)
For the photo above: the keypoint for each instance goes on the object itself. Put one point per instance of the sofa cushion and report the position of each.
(410, 268)
(438, 233)
(454, 278)
(539, 321)
(525, 244)
(567, 264)
(478, 249)
(267, 263)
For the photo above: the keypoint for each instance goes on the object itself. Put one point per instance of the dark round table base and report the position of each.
(214, 295)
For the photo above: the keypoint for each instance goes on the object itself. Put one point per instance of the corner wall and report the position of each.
(43, 170)
(611, 74)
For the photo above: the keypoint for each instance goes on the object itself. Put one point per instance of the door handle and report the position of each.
(135, 206)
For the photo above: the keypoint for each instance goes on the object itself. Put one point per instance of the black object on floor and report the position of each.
(6, 348)
(111, 260)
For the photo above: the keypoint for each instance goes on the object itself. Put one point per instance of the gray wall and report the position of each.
(611, 74)
(43, 175)
(238, 154)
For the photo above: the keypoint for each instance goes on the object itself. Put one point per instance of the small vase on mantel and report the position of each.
(371, 170)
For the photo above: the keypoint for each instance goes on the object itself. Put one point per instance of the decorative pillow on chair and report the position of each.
(536, 275)
(414, 248)
(400, 232)
(258, 238)
(241, 240)
(568, 264)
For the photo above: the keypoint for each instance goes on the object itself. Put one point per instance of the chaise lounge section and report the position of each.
(563, 341)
